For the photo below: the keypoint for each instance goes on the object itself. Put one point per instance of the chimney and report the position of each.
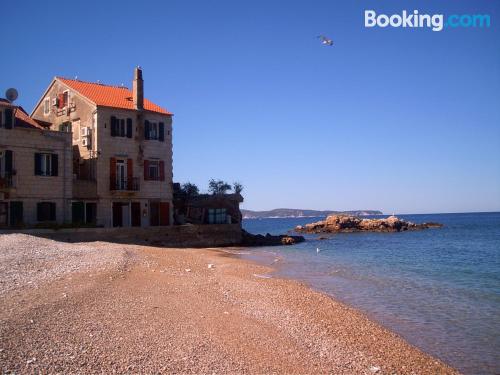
(138, 89)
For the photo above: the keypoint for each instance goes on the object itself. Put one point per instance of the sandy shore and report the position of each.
(100, 307)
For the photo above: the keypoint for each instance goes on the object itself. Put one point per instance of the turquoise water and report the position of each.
(438, 288)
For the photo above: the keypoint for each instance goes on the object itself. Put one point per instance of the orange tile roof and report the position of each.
(109, 96)
(25, 121)
(22, 119)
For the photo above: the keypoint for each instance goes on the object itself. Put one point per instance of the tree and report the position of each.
(190, 189)
(218, 186)
(237, 187)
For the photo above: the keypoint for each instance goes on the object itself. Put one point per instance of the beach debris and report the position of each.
(374, 369)
(64, 295)
(188, 270)
(226, 313)
(211, 265)
(31, 321)
(262, 276)
(325, 40)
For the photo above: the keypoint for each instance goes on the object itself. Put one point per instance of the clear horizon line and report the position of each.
(383, 213)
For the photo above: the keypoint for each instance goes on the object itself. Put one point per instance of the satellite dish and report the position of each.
(11, 94)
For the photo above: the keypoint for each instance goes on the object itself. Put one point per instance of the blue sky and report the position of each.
(401, 120)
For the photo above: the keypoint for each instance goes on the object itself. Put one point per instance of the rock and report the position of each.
(346, 223)
(249, 239)
(287, 240)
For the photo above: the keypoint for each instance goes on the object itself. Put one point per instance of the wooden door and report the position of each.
(164, 213)
(16, 214)
(117, 214)
(136, 214)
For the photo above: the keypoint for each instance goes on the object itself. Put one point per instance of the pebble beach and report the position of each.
(103, 307)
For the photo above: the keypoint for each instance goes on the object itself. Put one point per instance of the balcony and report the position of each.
(124, 184)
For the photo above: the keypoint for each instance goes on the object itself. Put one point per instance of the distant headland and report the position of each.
(294, 212)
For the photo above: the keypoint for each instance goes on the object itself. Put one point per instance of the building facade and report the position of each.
(122, 151)
(35, 171)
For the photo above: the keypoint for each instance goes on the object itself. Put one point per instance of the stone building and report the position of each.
(206, 208)
(35, 170)
(122, 151)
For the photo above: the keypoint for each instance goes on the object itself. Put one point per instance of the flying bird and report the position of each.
(325, 40)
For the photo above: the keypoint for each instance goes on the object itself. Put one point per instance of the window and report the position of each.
(6, 168)
(65, 98)
(46, 106)
(65, 127)
(154, 130)
(46, 164)
(84, 212)
(4, 214)
(154, 170)
(121, 175)
(121, 127)
(46, 211)
(217, 216)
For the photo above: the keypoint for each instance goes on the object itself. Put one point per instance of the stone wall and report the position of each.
(30, 188)
(171, 236)
(83, 113)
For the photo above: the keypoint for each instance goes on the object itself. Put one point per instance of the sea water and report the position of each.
(437, 288)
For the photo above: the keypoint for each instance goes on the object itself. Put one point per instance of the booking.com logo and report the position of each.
(434, 21)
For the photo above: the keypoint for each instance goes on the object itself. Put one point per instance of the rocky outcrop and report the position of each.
(347, 223)
(249, 239)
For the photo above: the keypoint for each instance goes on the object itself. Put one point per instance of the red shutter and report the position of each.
(162, 170)
(60, 101)
(164, 213)
(146, 170)
(112, 174)
(130, 174)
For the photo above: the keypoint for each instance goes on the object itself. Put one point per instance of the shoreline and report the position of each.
(160, 309)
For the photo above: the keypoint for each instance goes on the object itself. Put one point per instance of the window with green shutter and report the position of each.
(46, 211)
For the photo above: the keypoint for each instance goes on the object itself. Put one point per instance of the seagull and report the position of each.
(325, 40)
(318, 250)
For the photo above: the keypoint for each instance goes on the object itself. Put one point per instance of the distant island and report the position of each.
(293, 212)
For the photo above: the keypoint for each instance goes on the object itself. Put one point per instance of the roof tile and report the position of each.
(109, 96)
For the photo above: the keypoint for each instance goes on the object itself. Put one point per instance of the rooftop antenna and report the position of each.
(76, 78)
(11, 94)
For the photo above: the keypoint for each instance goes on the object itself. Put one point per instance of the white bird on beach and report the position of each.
(325, 41)
(317, 250)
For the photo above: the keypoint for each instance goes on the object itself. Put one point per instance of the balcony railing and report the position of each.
(124, 184)
(6, 181)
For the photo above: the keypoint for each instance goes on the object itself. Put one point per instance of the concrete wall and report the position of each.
(172, 236)
(28, 187)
